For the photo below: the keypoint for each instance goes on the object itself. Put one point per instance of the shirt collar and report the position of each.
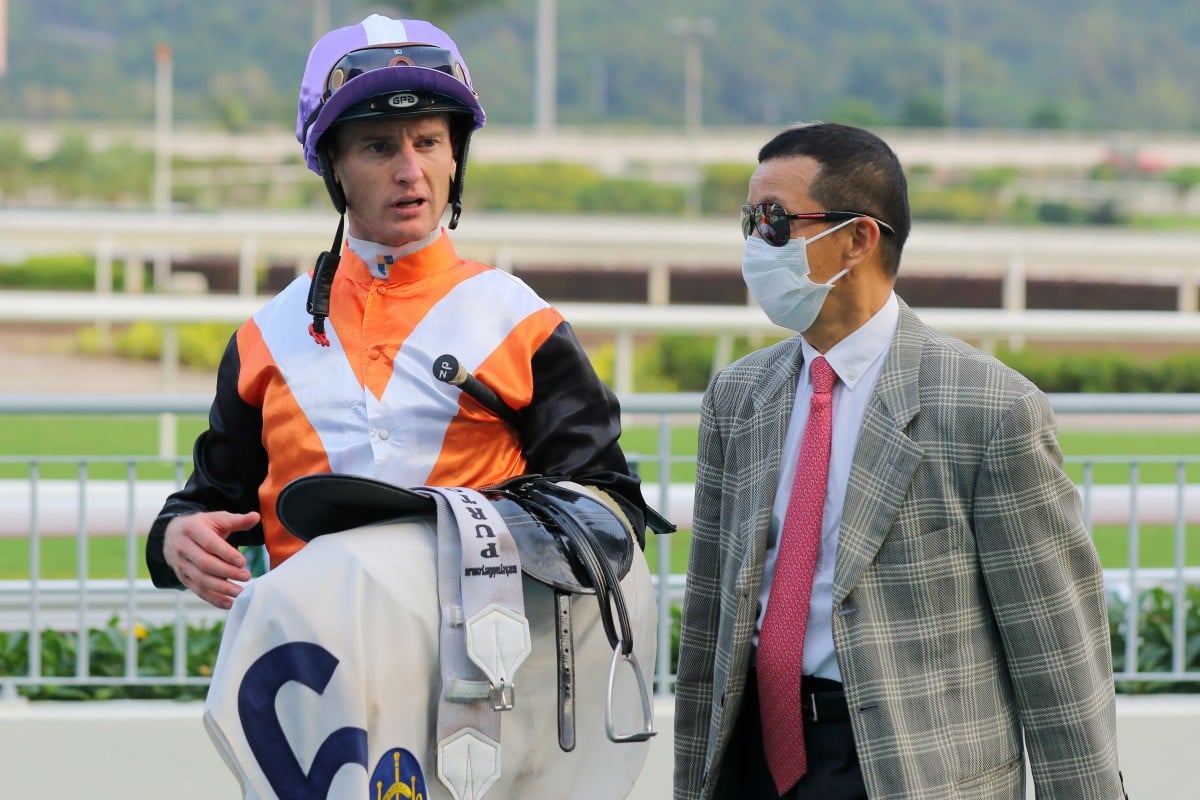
(853, 356)
(379, 257)
(412, 261)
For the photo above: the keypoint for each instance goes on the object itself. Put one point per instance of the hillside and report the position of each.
(1074, 64)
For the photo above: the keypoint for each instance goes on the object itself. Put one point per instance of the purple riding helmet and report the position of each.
(380, 67)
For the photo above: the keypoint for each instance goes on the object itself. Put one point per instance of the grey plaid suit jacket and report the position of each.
(968, 602)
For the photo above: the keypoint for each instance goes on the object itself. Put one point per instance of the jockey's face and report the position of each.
(396, 174)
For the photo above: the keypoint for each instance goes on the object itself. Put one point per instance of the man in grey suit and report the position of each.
(955, 621)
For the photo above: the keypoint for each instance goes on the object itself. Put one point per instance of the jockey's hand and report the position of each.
(195, 546)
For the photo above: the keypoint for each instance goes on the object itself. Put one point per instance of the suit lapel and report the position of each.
(765, 429)
(884, 457)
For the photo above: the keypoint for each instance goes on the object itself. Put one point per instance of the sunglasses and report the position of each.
(774, 223)
(408, 54)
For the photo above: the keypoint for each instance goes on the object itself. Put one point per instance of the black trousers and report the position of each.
(833, 769)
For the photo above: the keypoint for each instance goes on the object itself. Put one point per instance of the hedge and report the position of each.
(156, 645)
(683, 363)
(106, 651)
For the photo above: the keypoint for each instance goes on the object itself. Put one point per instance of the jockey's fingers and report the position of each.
(212, 543)
(208, 532)
(213, 579)
(195, 547)
(226, 522)
(227, 563)
(212, 590)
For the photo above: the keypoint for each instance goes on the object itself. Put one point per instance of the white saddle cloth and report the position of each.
(326, 685)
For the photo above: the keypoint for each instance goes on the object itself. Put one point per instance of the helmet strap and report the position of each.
(322, 285)
(460, 174)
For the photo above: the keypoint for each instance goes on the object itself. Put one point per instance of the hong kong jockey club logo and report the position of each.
(398, 775)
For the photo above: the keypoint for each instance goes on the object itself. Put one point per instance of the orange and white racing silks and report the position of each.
(369, 403)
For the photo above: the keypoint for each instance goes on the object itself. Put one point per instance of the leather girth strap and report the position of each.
(599, 551)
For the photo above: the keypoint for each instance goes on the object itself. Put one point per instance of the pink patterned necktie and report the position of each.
(781, 640)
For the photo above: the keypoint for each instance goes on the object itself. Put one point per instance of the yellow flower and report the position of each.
(139, 630)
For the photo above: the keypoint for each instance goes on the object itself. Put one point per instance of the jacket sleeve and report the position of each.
(700, 622)
(228, 465)
(1047, 594)
(571, 426)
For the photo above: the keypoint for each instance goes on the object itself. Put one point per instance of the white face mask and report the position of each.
(778, 279)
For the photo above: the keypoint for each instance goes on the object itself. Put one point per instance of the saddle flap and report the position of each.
(543, 515)
(314, 505)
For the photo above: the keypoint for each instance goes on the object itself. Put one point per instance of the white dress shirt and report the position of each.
(857, 361)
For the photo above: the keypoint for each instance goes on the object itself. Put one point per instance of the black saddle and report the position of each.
(566, 540)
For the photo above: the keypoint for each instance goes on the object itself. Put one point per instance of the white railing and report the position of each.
(84, 507)
(652, 245)
(624, 322)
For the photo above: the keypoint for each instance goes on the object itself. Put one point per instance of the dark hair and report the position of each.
(859, 172)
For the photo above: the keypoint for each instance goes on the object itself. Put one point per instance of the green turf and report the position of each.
(1162, 447)
(59, 557)
(72, 436)
(54, 439)
(641, 447)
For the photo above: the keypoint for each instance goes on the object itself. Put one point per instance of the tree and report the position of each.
(923, 109)
(855, 111)
(1048, 116)
(1184, 179)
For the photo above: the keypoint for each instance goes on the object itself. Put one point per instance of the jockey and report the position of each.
(337, 372)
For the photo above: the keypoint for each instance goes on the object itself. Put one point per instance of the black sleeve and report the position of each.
(572, 425)
(228, 465)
